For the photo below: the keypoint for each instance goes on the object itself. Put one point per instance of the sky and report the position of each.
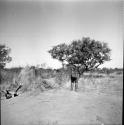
(31, 28)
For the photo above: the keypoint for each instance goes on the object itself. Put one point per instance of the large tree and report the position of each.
(4, 55)
(87, 54)
(82, 55)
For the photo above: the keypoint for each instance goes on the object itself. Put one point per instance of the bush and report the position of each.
(30, 77)
(32, 81)
(61, 78)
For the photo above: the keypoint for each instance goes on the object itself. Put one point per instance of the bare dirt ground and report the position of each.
(62, 107)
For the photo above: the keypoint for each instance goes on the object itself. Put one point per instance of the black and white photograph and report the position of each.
(61, 62)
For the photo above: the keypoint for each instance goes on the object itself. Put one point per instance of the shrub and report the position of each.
(32, 81)
(61, 77)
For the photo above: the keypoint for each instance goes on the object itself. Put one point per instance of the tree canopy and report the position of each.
(59, 52)
(4, 55)
(83, 55)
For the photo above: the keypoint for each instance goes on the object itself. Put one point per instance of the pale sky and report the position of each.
(30, 28)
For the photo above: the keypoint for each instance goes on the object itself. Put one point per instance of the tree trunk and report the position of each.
(72, 86)
(76, 85)
(62, 65)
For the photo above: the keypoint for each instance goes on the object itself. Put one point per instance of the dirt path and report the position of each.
(62, 107)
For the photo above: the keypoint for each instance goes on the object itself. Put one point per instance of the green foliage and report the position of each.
(4, 55)
(83, 55)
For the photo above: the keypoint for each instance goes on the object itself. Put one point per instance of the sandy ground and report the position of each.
(62, 107)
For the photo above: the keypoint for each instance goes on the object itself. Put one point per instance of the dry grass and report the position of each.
(29, 80)
(108, 84)
(98, 100)
(37, 80)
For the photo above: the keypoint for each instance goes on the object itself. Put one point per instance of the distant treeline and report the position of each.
(12, 76)
(109, 70)
(50, 70)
